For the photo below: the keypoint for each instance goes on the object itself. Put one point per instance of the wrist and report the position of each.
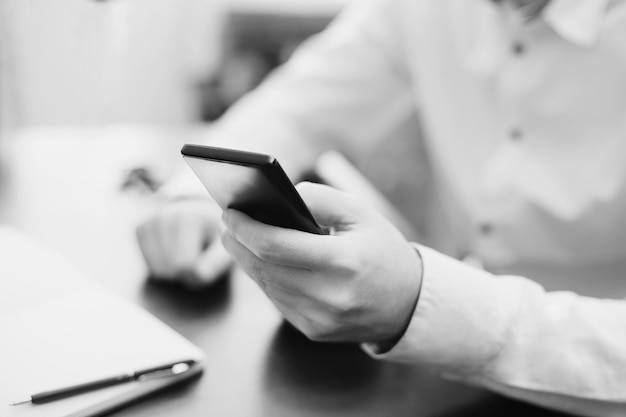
(406, 315)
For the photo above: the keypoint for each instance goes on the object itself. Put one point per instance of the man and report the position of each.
(523, 105)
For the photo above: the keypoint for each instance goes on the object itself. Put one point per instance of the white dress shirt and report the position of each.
(525, 127)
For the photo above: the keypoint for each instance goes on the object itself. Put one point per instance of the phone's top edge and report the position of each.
(226, 155)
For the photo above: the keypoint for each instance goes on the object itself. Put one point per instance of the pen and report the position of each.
(170, 369)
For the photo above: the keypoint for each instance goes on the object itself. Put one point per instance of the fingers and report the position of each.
(329, 206)
(177, 243)
(304, 298)
(267, 274)
(359, 284)
(170, 248)
(279, 245)
(294, 248)
(182, 240)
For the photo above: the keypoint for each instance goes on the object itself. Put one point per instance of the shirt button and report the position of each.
(485, 228)
(516, 134)
(518, 48)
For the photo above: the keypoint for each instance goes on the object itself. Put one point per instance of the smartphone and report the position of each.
(252, 183)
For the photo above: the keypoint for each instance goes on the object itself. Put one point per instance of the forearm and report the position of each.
(506, 333)
(258, 123)
(344, 89)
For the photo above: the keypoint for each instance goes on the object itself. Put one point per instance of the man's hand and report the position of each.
(181, 242)
(358, 284)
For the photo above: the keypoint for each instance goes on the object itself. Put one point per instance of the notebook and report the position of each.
(57, 328)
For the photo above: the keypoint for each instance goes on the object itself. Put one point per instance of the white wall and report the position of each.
(116, 61)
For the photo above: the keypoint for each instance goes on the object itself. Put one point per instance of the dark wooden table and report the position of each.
(63, 186)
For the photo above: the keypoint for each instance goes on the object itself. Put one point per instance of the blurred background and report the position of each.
(143, 61)
(165, 63)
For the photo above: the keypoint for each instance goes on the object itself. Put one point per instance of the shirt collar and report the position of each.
(578, 21)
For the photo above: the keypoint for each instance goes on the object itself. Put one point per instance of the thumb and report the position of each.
(329, 206)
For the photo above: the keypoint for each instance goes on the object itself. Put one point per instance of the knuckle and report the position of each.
(349, 263)
(256, 270)
(322, 330)
(265, 249)
(314, 336)
(315, 333)
(341, 304)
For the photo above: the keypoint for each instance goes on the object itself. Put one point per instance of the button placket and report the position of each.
(518, 49)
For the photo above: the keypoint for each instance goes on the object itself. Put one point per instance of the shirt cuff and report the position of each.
(384, 347)
(460, 321)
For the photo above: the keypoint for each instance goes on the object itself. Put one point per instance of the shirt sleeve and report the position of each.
(345, 89)
(506, 333)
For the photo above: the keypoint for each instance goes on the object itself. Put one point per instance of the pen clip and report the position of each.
(176, 369)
